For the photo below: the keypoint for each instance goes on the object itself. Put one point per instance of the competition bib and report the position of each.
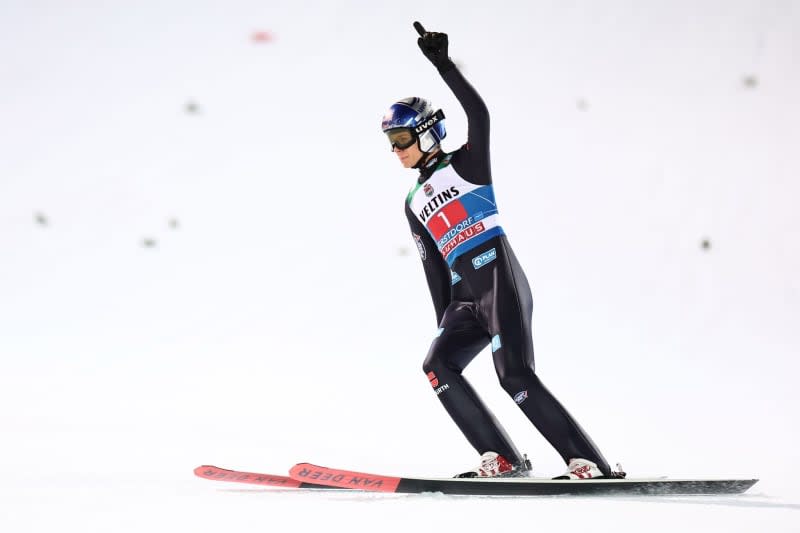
(459, 215)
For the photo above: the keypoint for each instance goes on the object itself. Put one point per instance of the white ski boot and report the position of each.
(581, 469)
(494, 465)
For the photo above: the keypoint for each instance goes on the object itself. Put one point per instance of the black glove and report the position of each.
(434, 46)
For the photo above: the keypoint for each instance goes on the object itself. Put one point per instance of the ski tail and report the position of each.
(215, 473)
(221, 474)
(343, 479)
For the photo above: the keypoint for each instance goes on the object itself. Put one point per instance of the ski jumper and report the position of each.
(481, 295)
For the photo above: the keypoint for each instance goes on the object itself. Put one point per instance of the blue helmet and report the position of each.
(417, 116)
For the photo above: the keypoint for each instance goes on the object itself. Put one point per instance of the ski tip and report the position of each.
(203, 470)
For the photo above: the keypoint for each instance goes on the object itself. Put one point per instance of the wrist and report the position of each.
(445, 65)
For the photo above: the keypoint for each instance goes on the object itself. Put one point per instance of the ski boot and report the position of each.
(494, 465)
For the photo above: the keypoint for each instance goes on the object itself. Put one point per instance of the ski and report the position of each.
(215, 473)
(309, 473)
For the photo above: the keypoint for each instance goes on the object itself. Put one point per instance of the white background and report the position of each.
(283, 316)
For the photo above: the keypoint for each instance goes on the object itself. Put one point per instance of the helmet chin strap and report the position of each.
(425, 156)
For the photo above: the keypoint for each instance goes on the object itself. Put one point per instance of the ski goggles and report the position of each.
(401, 138)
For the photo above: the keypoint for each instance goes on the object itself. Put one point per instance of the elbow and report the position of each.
(480, 117)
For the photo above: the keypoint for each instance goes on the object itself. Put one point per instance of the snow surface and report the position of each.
(280, 314)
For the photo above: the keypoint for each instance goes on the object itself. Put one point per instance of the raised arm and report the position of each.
(474, 107)
(434, 46)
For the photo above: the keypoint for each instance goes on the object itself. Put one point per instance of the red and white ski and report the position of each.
(215, 473)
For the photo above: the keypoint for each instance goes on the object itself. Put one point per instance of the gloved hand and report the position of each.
(434, 46)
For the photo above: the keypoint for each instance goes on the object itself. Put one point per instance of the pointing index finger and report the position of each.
(419, 28)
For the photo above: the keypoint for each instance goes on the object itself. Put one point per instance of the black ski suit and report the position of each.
(481, 295)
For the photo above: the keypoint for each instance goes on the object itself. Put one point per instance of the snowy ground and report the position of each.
(178, 505)
(173, 502)
(205, 259)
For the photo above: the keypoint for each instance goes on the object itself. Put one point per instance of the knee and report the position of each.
(433, 368)
(438, 364)
(516, 380)
(432, 362)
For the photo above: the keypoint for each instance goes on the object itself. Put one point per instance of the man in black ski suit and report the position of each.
(479, 290)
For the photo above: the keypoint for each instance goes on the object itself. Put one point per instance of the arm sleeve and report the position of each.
(475, 155)
(437, 272)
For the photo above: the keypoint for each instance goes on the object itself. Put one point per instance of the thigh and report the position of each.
(461, 337)
(507, 308)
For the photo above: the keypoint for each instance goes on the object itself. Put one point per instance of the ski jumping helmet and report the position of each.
(414, 116)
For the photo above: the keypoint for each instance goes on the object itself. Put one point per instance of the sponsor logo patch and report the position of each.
(463, 236)
(521, 397)
(427, 124)
(496, 345)
(438, 201)
(485, 258)
(435, 384)
(454, 277)
(420, 246)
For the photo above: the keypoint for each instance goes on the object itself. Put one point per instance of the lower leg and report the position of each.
(554, 422)
(473, 418)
